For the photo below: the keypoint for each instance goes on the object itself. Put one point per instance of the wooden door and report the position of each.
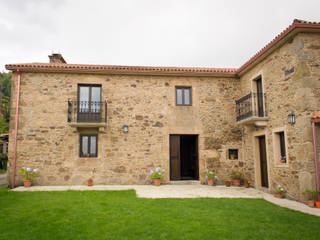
(175, 157)
(196, 157)
(263, 161)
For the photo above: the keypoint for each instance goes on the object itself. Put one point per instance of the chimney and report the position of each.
(56, 58)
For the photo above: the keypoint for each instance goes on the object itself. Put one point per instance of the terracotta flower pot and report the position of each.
(157, 181)
(90, 183)
(311, 203)
(210, 182)
(278, 195)
(236, 182)
(283, 161)
(246, 185)
(317, 204)
(228, 183)
(27, 183)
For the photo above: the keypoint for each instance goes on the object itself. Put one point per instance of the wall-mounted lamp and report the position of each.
(125, 128)
(292, 118)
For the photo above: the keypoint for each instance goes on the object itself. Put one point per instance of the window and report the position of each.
(183, 96)
(280, 150)
(89, 103)
(282, 146)
(88, 145)
(233, 154)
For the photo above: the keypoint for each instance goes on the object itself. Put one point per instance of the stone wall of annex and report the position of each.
(145, 103)
(290, 77)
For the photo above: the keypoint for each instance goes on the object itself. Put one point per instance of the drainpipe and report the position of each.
(13, 171)
(316, 158)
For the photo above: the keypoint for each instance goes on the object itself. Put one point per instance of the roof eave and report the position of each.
(229, 74)
(267, 50)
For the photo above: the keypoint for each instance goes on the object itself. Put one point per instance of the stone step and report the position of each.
(185, 182)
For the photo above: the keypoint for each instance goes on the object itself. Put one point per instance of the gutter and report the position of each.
(13, 170)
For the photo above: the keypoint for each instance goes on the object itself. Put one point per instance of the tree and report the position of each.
(5, 82)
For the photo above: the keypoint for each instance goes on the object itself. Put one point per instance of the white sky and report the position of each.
(191, 33)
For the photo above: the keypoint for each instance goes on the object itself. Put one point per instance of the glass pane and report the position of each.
(186, 96)
(95, 99)
(179, 96)
(282, 144)
(84, 99)
(84, 145)
(93, 145)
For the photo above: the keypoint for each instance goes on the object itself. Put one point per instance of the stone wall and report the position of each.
(290, 78)
(145, 103)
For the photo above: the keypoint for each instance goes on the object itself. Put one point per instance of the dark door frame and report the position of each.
(179, 163)
(90, 116)
(263, 159)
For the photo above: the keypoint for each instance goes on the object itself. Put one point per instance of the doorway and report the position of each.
(263, 161)
(184, 157)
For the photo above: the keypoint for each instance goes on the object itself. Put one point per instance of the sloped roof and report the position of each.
(57, 67)
(294, 28)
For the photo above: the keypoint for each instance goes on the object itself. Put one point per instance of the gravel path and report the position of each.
(186, 191)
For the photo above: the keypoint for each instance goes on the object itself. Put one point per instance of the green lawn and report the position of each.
(121, 215)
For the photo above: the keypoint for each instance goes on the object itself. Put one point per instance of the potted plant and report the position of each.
(90, 182)
(279, 193)
(157, 175)
(318, 202)
(246, 183)
(228, 182)
(211, 177)
(236, 178)
(28, 175)
(312, 195)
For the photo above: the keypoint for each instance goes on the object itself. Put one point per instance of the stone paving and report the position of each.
(185, 191)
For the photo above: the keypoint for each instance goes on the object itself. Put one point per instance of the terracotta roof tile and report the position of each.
(191, 71)
(315, 116)
(296, 24)
(120, 69)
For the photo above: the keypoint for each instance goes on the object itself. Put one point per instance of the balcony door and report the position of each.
(89, 103)
(260, 97)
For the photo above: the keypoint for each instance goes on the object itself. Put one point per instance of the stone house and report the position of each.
(70, 120)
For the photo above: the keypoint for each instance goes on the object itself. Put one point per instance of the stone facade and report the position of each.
(290, 79)
(146, 103)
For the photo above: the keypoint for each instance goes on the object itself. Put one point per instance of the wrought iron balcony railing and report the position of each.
(87, 112)
(251, 105)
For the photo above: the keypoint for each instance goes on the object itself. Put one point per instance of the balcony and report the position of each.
(251, 110)
(87, 114)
